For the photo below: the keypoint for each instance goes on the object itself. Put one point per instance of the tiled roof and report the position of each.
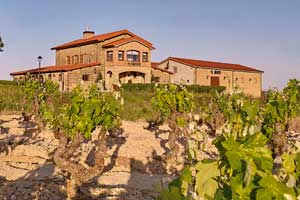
(154, 65)
(55, 68)
(99, 38)
(211, 64)
(126, 40)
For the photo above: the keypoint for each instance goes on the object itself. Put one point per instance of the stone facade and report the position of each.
(134, 66)
(249, 81)
(123, 57)
(114, 70)
(162, 76)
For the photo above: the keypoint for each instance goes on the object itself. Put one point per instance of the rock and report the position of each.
(31, 151)
(13, 197)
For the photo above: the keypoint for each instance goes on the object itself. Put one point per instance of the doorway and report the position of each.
(214, 81)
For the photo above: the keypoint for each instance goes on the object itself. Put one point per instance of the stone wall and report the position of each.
(203, 77)
(184, 75)
(164, 77)
(75, 77)
(249, 82)
(126, 47)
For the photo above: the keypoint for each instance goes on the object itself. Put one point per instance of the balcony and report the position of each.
(134, 63)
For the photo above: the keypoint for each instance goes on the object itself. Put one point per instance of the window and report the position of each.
(87, 58)
(133, 56)
(49, 77)
(75, 59)
(68, 60)
(82, 58)
(109, 56)
(217, 72)
(85, 77)
(60, 77)
(175, 69)
(145, 57)
(121, 55)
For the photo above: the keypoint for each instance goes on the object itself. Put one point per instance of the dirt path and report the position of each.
(134, 168)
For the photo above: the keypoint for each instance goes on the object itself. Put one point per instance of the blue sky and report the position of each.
(261, 34)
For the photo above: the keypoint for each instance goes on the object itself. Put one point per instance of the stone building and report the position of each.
(208, 73)
(124, 57)
(116, 57)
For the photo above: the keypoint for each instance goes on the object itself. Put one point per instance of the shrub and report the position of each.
(190, 88)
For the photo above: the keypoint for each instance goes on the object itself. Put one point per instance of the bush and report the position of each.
(7, 82)
(190, 88)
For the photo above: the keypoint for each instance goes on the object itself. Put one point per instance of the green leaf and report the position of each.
(206, 184)
(288, 163)
(274, 188)
(252, 148)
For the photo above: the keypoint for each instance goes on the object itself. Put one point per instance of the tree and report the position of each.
(1, 44)
(74, 123)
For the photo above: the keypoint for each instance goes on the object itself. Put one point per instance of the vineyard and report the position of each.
(214, 146)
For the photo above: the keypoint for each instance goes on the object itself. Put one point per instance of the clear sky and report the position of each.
(264, 34)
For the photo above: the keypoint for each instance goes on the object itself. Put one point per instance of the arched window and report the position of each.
(133, 56)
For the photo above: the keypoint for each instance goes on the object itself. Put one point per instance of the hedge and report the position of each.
(151, 87)
(7, 82)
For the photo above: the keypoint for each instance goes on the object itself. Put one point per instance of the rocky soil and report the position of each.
(134, 168)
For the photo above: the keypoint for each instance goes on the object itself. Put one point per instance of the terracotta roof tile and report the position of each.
(99, 38)
(126, 40)
(154, 65)
(55, 68)
(211, 64)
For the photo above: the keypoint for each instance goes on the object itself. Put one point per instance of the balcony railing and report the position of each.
(134, 63)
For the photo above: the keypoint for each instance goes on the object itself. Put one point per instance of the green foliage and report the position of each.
(292, 95)
(39, 90)
(11, 97)
(241, 113)
(276, 111)
(151, 87)
(178, 188)
(39, 93)
(244, 169)
(172, 98)
(271, 188)
(86, 111)
(7, 82)
(281, 106)
(206, 183)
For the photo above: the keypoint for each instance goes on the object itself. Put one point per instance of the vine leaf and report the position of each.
(273, 189)
(252, 148)
(207, 173)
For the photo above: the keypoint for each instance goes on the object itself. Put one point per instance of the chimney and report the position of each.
(88, 34)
